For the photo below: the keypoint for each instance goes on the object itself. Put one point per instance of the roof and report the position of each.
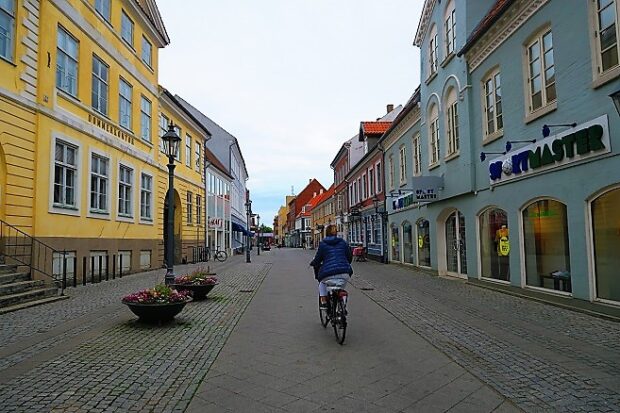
(150, 9)
(496, 11)
(183, 109)
(210, 157)
(313, 202)
(411, 103)
(375, 128)
(425, 18)
(326, 195)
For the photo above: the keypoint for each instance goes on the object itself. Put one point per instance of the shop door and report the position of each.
(456, 254)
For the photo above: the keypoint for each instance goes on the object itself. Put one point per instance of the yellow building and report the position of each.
(323, 215)
(80, 119)
(283, 220)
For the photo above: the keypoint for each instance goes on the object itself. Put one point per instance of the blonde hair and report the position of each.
(331, 230)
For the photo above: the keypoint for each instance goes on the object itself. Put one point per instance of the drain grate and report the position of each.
(246, 291)
(367, 289)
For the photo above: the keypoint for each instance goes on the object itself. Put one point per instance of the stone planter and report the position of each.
(199, 291)
(156, 313)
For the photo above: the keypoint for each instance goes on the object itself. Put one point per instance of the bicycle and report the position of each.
(218, 255)
(336, 311)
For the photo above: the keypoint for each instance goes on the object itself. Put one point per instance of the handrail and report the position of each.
(26, 250)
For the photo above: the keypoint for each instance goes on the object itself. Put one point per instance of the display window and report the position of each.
(606, 236)
(407, 243)
(395, 242)
(494, 244)
(424, 243)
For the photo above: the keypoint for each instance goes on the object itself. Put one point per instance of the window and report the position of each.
(198, 209)
(177, 156)
(125, 183)
(124, 104)
(103, 8)
(395, 243)
(146, 196)
(100, 86)
(163, 128)
(417, 156)
(145, 259)
(124, 261)
(606, 34)
(197, 152)
(408, 243)
(99, 175)
(379, 182)
(58, 262)
(433, 51)
(493, 103)
(147, 52)
(391, 172)
(364, 187)
(189, 207)
(66, 62)
(188, 151)
(402, 153)
(145, 119)
(424, 243)
(65, 174)
(605, 219)
(450, 28)
(7, 28)
(452, 122)
(371, 182)
(127, 29)
(494, 244)
(434, 134)
(541, 71)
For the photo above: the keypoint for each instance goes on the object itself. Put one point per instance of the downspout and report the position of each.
(384, 259)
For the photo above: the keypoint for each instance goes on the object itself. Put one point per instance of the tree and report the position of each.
(265, 229)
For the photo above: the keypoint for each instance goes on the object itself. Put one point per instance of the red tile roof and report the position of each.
(375, 128)
(487, 21)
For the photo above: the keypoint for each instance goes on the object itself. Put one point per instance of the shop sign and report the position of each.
(585, 141)
(216, 223)
(424, 189)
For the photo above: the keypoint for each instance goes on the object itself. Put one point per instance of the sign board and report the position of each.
(424, 189)
(585, 141)
(216, 223)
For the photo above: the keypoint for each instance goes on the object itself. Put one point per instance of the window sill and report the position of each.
(430, 78)
(147, 143)
(447, 60)
(129, 45)
(539, 113)
(126, 129)
(604, 78)
(125, 218)
(492, 137)
(5, 60)
(68, 96)
(433, 166)
(104, 115)
(146, 221)
(64, 210)
(451, 156)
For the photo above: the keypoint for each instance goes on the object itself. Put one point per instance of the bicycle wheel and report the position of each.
(324, 314)
(221, 256)
(340, 321)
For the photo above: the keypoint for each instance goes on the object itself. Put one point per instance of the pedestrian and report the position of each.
(332, 260)
(303, 243)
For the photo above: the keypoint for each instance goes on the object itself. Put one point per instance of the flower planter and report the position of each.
(156, 313)
(198, 291)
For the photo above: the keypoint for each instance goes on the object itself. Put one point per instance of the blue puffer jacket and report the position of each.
(333, 257)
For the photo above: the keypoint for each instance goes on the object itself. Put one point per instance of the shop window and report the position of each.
(58, 264)
(606, 234)
(545, 236)
(495, 244)
(124, 261)
(145, 259)
(424, 243)
(395, 242)
(407, 243)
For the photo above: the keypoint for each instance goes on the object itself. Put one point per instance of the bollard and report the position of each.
(64, 273)
(92, 270)
(75, 271)
(100, 266)
(120, 266)
(107, 267)
(113, 266)
(84, 270)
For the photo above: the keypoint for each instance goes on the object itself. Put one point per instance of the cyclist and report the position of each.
(332, 260)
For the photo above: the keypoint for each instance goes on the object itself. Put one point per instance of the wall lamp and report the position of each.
(616, 98)
(483, 155)
(509, 143)
(546, 131)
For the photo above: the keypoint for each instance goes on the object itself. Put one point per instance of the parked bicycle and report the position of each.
(336, 311)
(218, 255)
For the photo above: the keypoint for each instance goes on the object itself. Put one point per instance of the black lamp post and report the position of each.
(383, 216)
(171, 148)
(258, 226)
(248, 211)
(616, 98)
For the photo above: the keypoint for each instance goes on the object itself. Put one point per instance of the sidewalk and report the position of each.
(542, 357)
(280, 359)
(88, 353)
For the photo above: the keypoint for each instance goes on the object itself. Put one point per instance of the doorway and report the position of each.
(456, 251)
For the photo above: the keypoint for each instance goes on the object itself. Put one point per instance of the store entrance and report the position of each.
(456, 253)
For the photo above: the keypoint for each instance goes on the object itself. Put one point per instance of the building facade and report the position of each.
(300, 229)
(323, 215)
(218, 212)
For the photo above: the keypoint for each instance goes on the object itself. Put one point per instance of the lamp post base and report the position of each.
(169, 278)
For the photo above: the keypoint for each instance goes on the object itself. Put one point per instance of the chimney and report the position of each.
(321, 191)
(310, 180)
(390, 107)
(314, 195)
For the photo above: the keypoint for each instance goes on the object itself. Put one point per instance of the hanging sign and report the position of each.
(216, 223)
(588, 140)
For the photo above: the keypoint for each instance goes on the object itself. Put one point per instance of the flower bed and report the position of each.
(199, 282)
(157, 305)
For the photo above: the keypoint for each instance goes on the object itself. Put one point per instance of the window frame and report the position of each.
(402, 170)
(198, 209)
(433, 137)
(600, 76)
(146, 197)
(125, 192)
(66, 58)
(378, 178)
(450, 29)
(452, 124)
(98, 8)
(125, 18)
(124, 99)
(391, 171)
(75, 168)
(149, 61)
(537, 40)
(197, 155)
(162, 131)
(95, 189)
(417, 155)
(433, 52)
(149, 119)
(97, 83)
(10, 41)
(188, 150)
(190, 206)
(492, 76)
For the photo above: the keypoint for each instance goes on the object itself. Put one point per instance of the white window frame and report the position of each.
(9, 40)
(163, 128)
(452, 124)
(103, 8)
(146, 197)
(198, 209)
(378, 178)
(433, 136)
(99, 176)
(417, 155)
(402, 171)
(125, 104)
(65, 60)
(364, 186)
(371, 181)
(450, 29)
(127, 29)
(125, 192)
(189, 207)
(61, 205)
(145, 259)
(600, 76)
(433, 52)
(547, 104)
(492, 105)
(198, 155)
(147, 52)
(188, 150)
(146, 119)
(179, 133)
(126, 254)
(100, 94)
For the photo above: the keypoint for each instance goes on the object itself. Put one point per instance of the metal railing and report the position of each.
(19, 248)
(200, 254)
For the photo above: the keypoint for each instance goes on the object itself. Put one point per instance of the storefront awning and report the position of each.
(239, 228)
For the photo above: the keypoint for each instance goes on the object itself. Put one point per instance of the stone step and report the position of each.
(7, 268)
(32, 303)
(20, 287)
(14, 277)
(38, 294)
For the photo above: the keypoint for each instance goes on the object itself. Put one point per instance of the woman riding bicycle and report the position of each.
(332, 260)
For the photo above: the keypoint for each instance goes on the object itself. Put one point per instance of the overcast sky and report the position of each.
(291, 79)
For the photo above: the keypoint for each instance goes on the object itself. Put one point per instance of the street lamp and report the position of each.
(616, 98)
(383, 215)
(171, 148)
(248, 211)
(258, 226)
